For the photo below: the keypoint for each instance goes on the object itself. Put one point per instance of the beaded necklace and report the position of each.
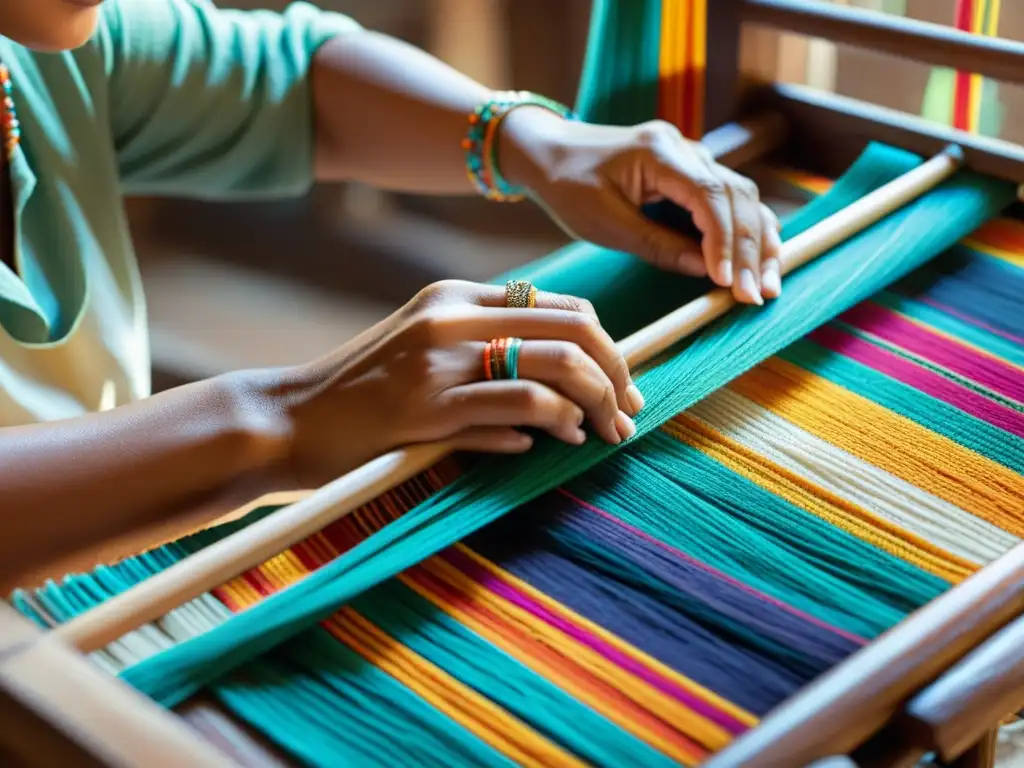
(9, 120)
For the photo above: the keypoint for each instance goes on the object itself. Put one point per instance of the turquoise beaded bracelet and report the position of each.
(481, 141)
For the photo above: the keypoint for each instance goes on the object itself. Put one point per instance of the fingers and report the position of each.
(520, 403)
(565, 367)
(771, 249)
(740, 235)
(485, 323)
(494, 296)
(491, 440)
(748, 225)
(623, 227)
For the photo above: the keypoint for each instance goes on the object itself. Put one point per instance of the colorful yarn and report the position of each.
(804, 476)
(872, 260)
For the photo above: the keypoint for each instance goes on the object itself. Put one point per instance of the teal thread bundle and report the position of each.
(814, 295)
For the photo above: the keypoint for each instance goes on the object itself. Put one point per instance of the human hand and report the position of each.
(593, 180)
(418, 376)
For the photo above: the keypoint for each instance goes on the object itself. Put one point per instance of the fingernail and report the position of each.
(748, 286)
(635, 398)
(725, 273)
(579, 437)
(771, 284)
(624, 425)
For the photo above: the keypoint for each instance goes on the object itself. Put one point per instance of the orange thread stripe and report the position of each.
(672, 62)
(697, 66)
(892, 442)
(801, 492)
(579, 671)
(461, 704)
(571, 617)
(601, 684)
(480, 716)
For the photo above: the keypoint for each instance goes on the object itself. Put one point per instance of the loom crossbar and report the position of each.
(846, 706)
(985, 686)
(834, 129)
(922, 41)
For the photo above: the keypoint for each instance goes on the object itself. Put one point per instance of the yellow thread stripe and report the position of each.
(480, 716)
(812, 498)
(461, 704)
(645, 659)
(892, 442)
(519, 621)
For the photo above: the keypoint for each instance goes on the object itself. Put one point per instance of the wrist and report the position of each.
(527, 145)
(261, 423)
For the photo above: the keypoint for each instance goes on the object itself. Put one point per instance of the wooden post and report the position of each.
(722, 83)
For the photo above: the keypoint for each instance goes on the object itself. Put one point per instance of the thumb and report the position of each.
(626, 228)
(491, 440)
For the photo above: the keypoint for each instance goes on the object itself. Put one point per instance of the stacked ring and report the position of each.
(501, 359)
(520, 294)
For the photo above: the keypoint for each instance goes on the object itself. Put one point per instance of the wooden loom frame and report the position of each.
(926, 685)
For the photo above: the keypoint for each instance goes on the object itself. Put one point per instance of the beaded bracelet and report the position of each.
(481, 141)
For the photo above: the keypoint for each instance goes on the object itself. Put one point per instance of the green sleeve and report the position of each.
(213, 103)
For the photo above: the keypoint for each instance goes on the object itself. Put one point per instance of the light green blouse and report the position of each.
(170, 97)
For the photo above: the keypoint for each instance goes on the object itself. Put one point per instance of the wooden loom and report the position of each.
(927, 685)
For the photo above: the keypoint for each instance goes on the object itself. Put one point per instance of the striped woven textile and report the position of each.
(661, 604)
(656, 606)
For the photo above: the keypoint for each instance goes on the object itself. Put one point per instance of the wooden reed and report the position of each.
(845, 706)
(987, 685)
(828, 132)
(260, 541)
(906, 38)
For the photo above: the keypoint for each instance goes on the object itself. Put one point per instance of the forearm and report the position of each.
(70, 486)
(393, 116)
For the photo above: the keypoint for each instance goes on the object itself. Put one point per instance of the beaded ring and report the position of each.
(520, 294)
(480, 142)
(501, 359)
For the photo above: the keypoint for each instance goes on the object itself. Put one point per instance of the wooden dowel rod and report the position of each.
(105, 719)
(987, 685)
(225, 559)
(824, 126)
(900, 36)
(846, 705)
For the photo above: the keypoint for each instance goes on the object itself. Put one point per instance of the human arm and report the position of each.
(407, 131)
(182, 458)
(218, 103)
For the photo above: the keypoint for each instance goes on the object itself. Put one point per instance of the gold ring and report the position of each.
(520, 294)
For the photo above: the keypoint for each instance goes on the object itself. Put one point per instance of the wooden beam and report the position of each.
(923, 41)
(847, 705)
(828, 132)
(56, 708)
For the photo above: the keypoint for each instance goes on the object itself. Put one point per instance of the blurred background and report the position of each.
(240, 285)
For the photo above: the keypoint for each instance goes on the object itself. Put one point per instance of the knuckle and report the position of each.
(744, 188)
(746, 233)
(654, 132)
(428, 327)
(440, 291)
(568, 357)
(710, 186)
(528, 398)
